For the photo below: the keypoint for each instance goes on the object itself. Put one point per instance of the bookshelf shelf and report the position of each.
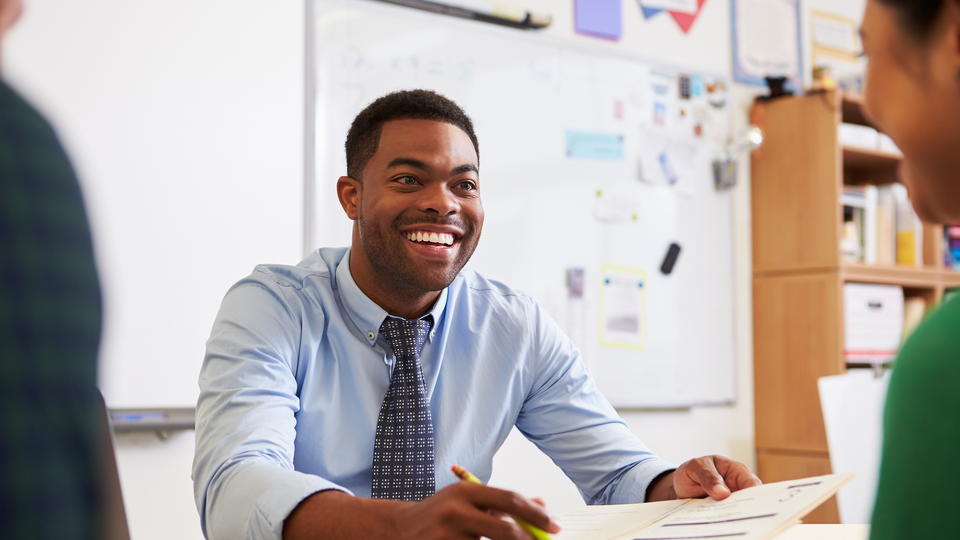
(951, 279)
(904, 276)
(865, 158)
(798, 180)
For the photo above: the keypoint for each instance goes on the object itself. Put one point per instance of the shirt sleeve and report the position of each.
(245, 484)
(568, 418)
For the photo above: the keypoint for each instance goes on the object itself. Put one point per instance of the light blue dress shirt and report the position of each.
(295, 372)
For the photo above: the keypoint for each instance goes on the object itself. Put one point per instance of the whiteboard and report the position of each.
(586, 163)
(189, 155)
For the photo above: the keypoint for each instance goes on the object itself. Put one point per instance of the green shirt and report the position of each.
(49, 336)
(919, 489)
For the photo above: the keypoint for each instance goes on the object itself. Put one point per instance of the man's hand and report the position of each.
(461, 510)
(713, 476)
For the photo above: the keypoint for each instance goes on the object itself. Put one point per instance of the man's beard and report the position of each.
(395, 266)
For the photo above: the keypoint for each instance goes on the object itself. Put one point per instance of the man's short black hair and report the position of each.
(917, 17)
(364, 135)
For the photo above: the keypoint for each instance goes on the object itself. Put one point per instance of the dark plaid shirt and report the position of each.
(49, 335)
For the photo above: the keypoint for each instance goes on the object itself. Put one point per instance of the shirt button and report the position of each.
(371, 335)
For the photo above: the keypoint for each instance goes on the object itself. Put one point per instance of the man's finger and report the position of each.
(483, 524)
(710, 479)
(513, 504)
(736, 475)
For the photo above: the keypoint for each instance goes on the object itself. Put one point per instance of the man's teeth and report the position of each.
(432, 237)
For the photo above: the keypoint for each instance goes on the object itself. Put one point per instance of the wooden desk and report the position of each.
(826, 532)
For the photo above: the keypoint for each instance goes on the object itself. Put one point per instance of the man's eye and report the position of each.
(467, 186)
(406, 180)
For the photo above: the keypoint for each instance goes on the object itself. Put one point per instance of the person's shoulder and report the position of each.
(496, 294)
(19, 117)
(937, 334)
(927, 360)
(313, 273)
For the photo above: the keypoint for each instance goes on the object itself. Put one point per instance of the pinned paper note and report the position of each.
(615, 207)
(594, 145)
(623, 307)
(598, 18)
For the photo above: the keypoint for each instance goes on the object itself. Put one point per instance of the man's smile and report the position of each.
(428, 237)
(430, 242)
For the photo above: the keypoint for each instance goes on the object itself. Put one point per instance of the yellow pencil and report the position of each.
(537, 532)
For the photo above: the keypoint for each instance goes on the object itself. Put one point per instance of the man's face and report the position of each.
(419, 216)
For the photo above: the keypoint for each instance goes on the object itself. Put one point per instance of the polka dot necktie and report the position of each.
(403, 467)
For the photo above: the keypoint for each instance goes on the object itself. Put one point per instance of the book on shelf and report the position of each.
(859, 228)
(886, 223)
(880, 226)
(909, 229)
(914, 308)
(852, 242)
(951, 237)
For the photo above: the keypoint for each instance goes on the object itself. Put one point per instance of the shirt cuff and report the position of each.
(274, 505)
(633, 485)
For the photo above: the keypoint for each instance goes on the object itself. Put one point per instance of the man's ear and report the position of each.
(348, 191)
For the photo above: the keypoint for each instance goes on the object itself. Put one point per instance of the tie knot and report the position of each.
(406, 337)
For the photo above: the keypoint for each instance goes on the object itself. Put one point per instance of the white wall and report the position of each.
(192, 94)
(185, 122)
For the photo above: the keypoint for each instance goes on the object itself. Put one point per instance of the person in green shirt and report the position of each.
(913, 95)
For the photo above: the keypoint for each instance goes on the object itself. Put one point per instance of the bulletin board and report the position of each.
(593, 162)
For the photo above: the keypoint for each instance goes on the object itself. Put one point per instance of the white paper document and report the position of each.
(751, 514)
(852, 406)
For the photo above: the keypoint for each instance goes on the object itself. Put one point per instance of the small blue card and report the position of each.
(594, 145)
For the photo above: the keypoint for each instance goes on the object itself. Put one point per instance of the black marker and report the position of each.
(670, 259)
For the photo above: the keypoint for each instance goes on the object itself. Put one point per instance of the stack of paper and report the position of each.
(755, 513)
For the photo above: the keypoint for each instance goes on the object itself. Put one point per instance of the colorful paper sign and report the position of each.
(684, 12)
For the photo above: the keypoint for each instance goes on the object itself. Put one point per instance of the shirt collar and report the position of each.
(365, 313)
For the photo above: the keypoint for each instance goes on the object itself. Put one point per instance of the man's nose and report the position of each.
(439, 199)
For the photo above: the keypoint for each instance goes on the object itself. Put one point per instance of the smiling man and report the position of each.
(336, 394)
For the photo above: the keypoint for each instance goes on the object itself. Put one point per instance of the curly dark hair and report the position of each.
(917, 17)
(364, 135)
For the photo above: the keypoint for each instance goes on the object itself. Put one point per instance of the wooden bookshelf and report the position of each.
(798, 177)
(875, 160)
(904, 276)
